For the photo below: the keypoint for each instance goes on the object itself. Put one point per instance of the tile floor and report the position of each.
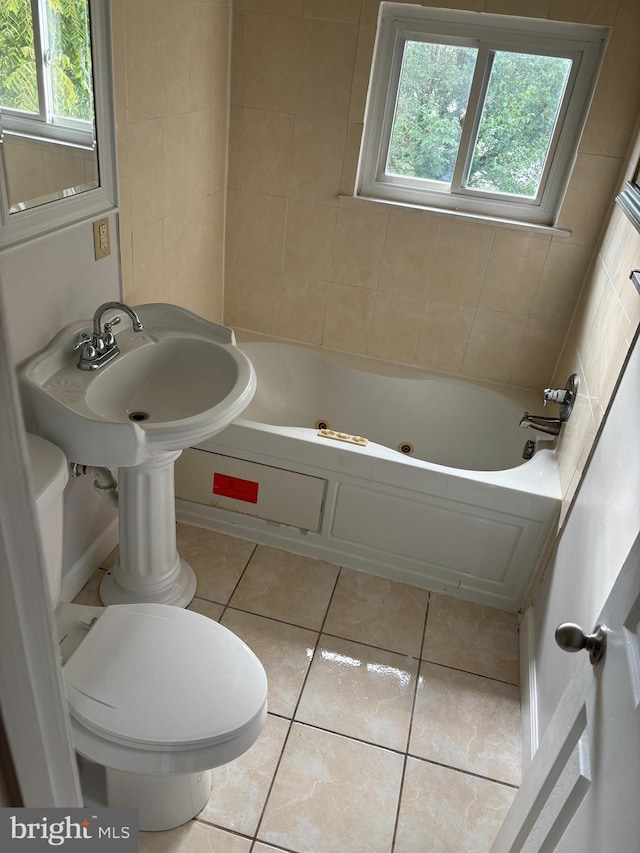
(394, 713)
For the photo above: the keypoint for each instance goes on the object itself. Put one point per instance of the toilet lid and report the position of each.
(157, 676)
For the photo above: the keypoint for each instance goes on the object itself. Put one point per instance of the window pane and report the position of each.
(18, 81)
(69, 42)
(520, 112)
(432, 100)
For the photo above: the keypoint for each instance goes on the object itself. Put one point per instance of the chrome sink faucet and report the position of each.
(100, 348)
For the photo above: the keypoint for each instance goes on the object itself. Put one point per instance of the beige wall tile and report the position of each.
(303, 309)
(234, 147)
(591, 190)
(229, 307)
(332, 10)
(513, 272)
(444, 335)
(620, 250)
(557, 293)
(176, 159)
(126, 264)
(232, 229)
(261, 237)
(584, 11)
(469, 5)
(538, 353)
(258, 295)
(148, 268)
(493, 345)
(177, 31)
(327, 53)
(528, 8)
(461, 261)
(349, 315)
(350, 161)
(143, 57)
(272, 62)
(601, 359)
(361, 71)
(614, 108)
(316, 166)
(145, 158)
(209, 67)
(278, 7)
(395, 327)
(267, 140)
(359, 244)
(176, 261)
(409, 252)
(238, 38)
(309, 239)
(207, 159)
(624, 38)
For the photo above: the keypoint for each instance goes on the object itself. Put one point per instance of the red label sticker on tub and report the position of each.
(234, 487)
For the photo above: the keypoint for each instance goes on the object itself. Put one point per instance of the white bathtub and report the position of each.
(464, 513)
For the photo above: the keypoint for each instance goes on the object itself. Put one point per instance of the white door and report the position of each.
(581, 792)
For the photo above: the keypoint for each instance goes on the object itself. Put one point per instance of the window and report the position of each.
(45, 69)
(476, 113)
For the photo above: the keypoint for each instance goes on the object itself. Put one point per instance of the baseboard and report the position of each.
(528, 689)
(82, 569)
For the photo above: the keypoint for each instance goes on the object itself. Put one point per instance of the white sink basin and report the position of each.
(174, 384)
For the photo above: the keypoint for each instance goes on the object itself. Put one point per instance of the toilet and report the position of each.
(157, 695)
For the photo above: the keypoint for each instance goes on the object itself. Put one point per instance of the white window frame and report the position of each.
(583, 44)
(45, 124)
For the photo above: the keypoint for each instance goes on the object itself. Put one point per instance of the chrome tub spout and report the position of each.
(550, 426)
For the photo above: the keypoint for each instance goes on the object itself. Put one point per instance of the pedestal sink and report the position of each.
(174, 384)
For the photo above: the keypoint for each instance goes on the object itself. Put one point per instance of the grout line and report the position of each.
(413, 708)
(466, 772)
(237, 584)
(295, 709)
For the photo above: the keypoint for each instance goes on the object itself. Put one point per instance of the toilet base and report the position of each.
(163, 802)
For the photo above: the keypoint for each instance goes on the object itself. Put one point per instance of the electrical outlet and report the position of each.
(101, 238)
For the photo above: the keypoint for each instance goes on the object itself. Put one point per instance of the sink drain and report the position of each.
(139, 416)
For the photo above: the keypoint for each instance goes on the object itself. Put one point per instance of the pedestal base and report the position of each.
(148, 568)
(178, 591)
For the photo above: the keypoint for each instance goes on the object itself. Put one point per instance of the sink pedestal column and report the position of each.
(148, 567)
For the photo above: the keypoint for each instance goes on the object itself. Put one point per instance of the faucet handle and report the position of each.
(86, 347)
(112, 322)
(554, 395)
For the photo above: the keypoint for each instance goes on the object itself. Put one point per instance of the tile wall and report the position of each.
(171, 66)
(409, 286)
(605, 323)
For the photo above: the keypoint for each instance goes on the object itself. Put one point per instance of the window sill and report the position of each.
(547, 230)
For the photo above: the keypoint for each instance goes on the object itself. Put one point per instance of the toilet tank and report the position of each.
(49, 474)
